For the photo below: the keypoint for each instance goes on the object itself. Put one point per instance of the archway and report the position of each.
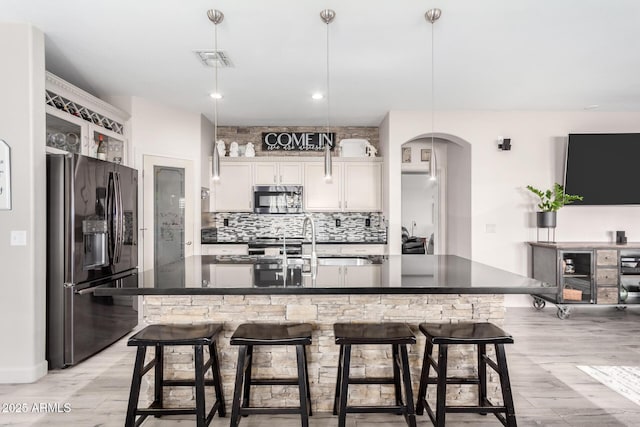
(444, 206)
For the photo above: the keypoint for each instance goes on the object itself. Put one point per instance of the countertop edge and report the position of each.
(324, 291)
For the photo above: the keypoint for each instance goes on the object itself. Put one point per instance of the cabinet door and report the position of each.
(328, 275)
(233, 276)
(290, 174)
(320, 194)
(362, 276)
(116, 144)
(266, 173)
(66, 132)
(224, 249)
(363, 187)
(232, 192)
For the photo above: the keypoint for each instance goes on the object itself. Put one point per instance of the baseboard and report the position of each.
(25, 374)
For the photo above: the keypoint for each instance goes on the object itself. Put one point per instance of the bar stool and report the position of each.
(479, 334)
(160, 336)
(253, 334)
(398, 335)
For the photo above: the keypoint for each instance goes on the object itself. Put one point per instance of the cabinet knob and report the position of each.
(188, 243)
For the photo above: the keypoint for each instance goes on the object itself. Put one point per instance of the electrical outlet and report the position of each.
(337, 222)
(367, 222)
(225, 222)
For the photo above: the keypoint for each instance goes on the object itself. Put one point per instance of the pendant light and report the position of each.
(432, 16)
(327, 16)
(216, 17)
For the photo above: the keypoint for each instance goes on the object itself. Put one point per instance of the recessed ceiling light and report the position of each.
(216, 95)
(592, 107)
(317, 96)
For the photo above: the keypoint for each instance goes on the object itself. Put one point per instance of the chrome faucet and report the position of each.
(314, 254)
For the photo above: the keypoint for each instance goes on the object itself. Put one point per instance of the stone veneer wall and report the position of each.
(245, 134)
(245, 226)
(322, 311)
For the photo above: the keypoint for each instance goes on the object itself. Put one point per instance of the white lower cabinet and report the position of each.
(356, 249)
(226, 249)
(346, 276)
(361, 276)
(231, 275)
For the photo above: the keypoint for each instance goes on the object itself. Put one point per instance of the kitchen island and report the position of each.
(408, 288)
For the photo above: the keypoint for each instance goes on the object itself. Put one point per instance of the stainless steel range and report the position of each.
(275, 246)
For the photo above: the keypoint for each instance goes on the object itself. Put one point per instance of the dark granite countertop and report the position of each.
(395, 274)
(306, 242)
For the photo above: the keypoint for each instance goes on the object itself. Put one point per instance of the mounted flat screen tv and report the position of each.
(604, 168)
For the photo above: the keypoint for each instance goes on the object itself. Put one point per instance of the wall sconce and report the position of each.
(504, 144)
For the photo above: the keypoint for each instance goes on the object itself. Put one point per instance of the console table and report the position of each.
(587, 273)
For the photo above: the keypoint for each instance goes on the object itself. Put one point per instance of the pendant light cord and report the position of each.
(433, 97)
(215, 95)
(328, 83)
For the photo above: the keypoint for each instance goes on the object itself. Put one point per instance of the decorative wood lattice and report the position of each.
(78, 110)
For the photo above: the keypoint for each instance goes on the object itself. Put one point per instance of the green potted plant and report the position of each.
(550, 201)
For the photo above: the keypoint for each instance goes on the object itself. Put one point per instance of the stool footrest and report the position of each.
(185, 383)
(475, 409)
(372, 380)
(456, 380)
(376, 409)
(165, 411)
(274, 381)
(269, 411)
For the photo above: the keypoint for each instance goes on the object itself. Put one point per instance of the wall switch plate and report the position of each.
(367, 222)
(337, 222)
(225, 222)
(18, 238)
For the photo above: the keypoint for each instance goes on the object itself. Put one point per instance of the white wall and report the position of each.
(499, 200)
(22, 126)
(159, 130)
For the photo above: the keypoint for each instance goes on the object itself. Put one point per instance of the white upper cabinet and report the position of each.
(355, 186)
(78, 122)
(278, 173)
(362, 187)
(321, 194)
(233, 192)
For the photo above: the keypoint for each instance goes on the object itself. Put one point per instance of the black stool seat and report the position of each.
(249, 335)
(367, 333)
(267, 334)
(202, 334)
(465, 333)
(398, 335)
(480, 335)
(159, 336)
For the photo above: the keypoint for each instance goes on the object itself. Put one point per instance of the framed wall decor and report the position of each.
(425, 155)
(406, 154)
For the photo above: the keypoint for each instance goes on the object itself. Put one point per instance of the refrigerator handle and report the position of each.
(120, 217)
(111, 217)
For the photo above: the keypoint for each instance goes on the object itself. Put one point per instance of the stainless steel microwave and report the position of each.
(277, 199)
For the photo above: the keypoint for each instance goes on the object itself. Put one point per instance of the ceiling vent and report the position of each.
(209, 58)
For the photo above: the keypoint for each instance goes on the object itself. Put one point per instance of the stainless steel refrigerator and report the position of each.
(92, 211)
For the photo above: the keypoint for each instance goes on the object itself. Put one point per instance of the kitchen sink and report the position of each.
(331, 261)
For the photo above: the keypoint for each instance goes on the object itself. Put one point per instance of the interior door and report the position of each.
(168, 216)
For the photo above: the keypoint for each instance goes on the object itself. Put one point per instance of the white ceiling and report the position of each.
(488, 55)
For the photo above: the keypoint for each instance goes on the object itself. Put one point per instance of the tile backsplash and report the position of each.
(245, 226)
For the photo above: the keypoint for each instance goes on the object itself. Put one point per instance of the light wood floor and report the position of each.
(548, 388)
